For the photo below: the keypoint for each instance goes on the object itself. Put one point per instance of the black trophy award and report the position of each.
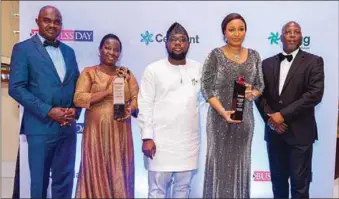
(119, 97)
(238, 99)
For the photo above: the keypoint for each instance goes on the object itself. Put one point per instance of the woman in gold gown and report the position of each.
(107, 157)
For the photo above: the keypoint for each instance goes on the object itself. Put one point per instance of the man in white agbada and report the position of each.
(168, 104)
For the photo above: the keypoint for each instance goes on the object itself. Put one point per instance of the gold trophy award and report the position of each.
(119, 97)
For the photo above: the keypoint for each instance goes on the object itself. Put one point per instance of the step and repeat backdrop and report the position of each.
(142, 27)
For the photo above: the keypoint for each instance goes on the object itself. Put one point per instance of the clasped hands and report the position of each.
(276, 122)
(64, 116)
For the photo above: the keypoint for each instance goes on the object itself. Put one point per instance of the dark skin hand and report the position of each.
(149, 148)
(58, 114)
(64, 116)
(70, 116)
(128, 111)
(280, 128)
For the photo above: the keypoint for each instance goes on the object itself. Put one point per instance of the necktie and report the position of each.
(282, 57)
(55, 44)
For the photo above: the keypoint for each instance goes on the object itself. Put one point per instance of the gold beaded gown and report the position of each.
(107, 156)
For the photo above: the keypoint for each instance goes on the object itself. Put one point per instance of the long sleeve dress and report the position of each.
(107, 156)
(228, 164)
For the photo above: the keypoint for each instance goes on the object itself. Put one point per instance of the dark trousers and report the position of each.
(290, 161)
(16, 187)
(56, 154)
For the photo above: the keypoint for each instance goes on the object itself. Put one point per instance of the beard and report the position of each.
(175, 56)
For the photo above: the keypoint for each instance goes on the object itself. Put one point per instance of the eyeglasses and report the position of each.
(180, 39)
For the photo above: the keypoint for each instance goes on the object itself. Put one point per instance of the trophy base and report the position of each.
(119, 111)
(238, 115)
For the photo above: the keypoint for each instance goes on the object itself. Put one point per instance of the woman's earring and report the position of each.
(99, 55)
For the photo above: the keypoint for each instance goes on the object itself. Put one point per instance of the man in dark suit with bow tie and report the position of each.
(294, 85)
(43, 76)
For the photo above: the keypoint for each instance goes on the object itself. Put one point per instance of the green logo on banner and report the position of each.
(147, 38)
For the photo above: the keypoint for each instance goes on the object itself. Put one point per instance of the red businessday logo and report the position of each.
(262, 176)
(72, 35)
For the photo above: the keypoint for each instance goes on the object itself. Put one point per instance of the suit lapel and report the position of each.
(44, 53)
(67, 61)
(295, 65)
(276, 74)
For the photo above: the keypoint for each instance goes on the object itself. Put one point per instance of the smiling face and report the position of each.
(291, 37)
(177, 46)
(110, 52)
(235, 32)
(49, 22)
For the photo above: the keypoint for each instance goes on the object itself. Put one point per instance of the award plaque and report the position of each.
(4, 72)
(238, 99)
(119, 97)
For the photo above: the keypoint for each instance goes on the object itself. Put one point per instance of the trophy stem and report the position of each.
(119, 98)
(238, 100)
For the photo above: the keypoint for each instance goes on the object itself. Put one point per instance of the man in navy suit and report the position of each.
(43, 76)
(294, 85)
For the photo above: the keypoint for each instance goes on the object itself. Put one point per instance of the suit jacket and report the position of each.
(35, 84)
(302, 91)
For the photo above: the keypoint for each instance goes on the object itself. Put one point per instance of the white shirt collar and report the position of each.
(294, 53)
(42, 39)
(169, 63)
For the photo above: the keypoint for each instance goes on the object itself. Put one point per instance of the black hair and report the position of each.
(110, 36)
(229, 18)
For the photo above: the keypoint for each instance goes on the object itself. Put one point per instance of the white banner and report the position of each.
(142, 26)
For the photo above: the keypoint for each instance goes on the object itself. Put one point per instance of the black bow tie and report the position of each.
(282, 57)
(55, 44)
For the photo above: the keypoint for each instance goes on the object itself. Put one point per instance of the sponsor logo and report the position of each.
(274, 39)
(80, 128)
(72, 35)
(261, 176)
(147, 37)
